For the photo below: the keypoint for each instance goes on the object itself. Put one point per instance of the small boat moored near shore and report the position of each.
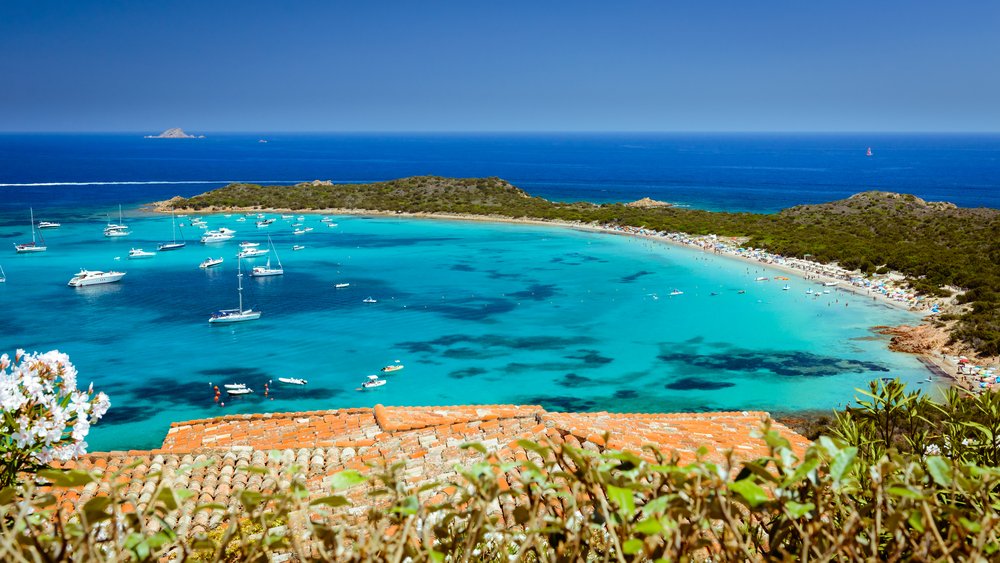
(393, 367)
(48, 225)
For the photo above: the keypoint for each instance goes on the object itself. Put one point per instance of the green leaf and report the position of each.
(475, 446)
(751, 492)
(940, 470)
(332, 501)
(649, 526)
(168, 499)
(64, 479)
(623, 498)
(842, 462)
(632, 546)
(905, 492)
(974, 527)
(346, 479)
(916, 520)
(797, 510)
(436, 556)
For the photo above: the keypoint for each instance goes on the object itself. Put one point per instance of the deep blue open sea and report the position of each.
(478, 313)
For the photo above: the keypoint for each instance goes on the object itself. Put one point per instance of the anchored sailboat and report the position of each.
(235, 315)
(119, 230)
(31, 246)
(172, 245)
(267, 270)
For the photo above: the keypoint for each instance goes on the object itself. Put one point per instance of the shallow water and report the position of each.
(478, 313)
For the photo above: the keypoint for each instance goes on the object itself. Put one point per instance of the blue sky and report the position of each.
(500, 66)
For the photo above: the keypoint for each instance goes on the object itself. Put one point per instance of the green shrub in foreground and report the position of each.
(835, 502)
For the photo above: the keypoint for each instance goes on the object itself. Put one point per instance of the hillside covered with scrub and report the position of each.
(936, 245)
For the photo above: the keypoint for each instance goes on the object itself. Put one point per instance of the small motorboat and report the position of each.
(342, 285)
(251, 253)
(296, 224)
(139, 253)
(301, 218)
(786, 287)
(393, 367)
(809, 292)
(826, 291)
(292, 380)
(331, 225)
(241, 220)
(761, 278)
(368, 300)
(372, 382)
(287, 216)
(741, 292)
(714, 293)
(48, 225)
(676, 292)
(239, 391)
(298, 232)
(210, 263)
(245, 245)
(307, 229)
(235, 386)
(830, 284)
(297, 247)
(326, 220)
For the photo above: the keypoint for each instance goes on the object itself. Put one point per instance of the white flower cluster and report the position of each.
(43, 411)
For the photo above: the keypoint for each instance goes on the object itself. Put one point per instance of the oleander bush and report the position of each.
(935, 245)
(867, 492)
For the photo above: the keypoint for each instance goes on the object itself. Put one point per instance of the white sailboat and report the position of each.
(173, 229)
(267, 270)
(117, 230)
(32, 246)
(235, 315)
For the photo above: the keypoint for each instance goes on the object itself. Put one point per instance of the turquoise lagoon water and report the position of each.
(478, 313)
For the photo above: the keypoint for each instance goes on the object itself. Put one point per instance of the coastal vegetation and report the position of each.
(939, 247)
(900, 477)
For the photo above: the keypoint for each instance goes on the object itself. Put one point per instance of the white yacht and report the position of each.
(341, 285)
(267, 270)
(215, 236)
(251, 253)
(48, 225)
(298, 232)
(210, 263)
(244, 245)
(240, 391)
(326, 220)
(172, 245)
(139, 253)
(297, 247)
(91, 277)
(33, 246)
(235, 315)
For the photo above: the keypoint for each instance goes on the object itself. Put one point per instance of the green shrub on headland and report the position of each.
(935, 244)
(870, 491)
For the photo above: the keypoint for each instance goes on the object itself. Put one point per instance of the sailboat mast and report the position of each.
(239, 282)
(173, 225)
(31, 210)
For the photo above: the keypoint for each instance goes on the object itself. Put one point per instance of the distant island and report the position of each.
(946, 253)
(174, 133)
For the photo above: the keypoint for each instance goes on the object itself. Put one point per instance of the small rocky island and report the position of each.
(174, 133)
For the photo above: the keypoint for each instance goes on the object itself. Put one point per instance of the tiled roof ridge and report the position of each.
(267, 415)
(388, 423)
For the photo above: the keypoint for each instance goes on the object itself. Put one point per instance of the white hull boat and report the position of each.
(137, 253)
(342, 285)
(245, 245)
(33, 246)
(210, 263)
(48, 225)
(214, 237)
(168, 246)
(267, 270)
(235, 315)
(292, 380)
(297, 247)
(91, 277)
(373, 382)
(369, 300)
(251, 253)
(242, 391)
